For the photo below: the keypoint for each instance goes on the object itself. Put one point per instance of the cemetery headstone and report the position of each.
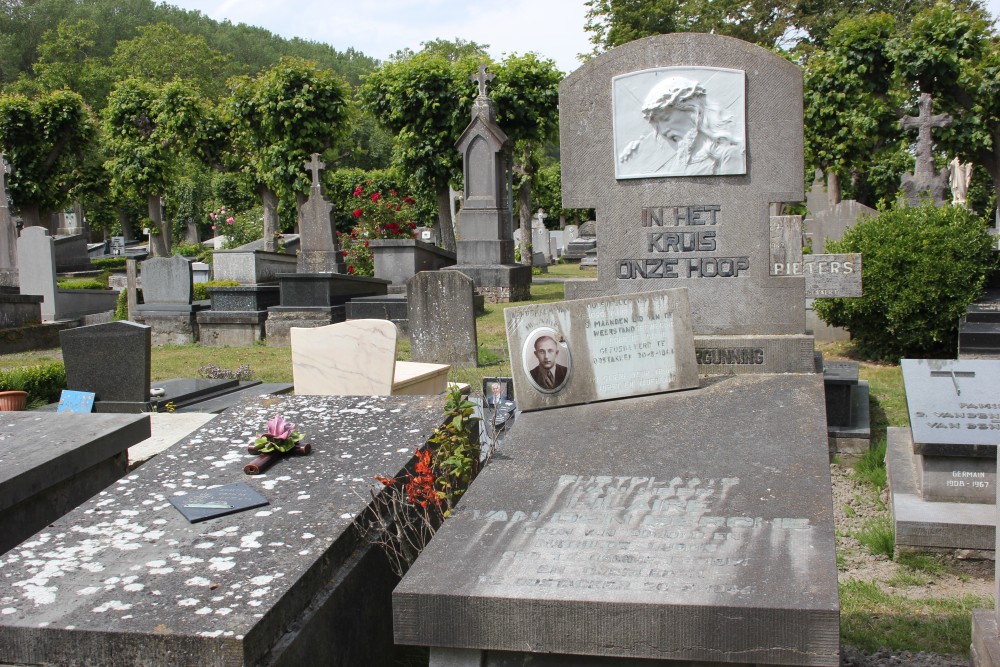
(35, 249)
(942, 469)
(167, 281)
(486, 248)
(674, 216)
(522, 241)
(570, 234)
(585, 241)
(816, 197)
(442, 318)
(979, 328)
(827, 276)
(833, 222)
(604, 524)
(320, 250)
(111, 360)
(8, 232)
(598, 349)
(925, 181)
(117, 246)
(540, 235)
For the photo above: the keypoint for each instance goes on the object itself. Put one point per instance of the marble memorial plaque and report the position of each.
(596, 349)
(680, 121)
(953, 402)
(217, 501)
(827, 276)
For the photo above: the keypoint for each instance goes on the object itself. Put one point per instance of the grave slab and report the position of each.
(50, 463)
(291, 583)
(599, 349)
(654, 527)
(923, 525)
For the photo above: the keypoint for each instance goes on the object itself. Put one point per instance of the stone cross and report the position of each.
(314, 165)
(482, 77)
(924, 123)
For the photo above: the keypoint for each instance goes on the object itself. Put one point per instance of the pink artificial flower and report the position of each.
(212, 216)
(213, 228)
(279, 428)
(229, 220)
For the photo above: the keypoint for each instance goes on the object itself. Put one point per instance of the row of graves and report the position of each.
(664, 497)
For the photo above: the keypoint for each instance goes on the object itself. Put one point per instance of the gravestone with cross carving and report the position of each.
(925, 181)
(486, 248)
(8, 233)
(320, 252)
(681, 144)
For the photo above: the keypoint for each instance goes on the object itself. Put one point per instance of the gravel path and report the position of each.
(854, 505)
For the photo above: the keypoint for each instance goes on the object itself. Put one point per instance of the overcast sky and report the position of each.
(551, 28)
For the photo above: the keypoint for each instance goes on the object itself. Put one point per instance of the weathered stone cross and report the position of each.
(924, 123)
(482, 77)
(314, 165)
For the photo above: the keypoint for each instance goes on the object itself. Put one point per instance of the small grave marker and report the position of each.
(76, 401)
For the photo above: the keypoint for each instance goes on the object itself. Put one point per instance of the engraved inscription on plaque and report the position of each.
(827, 276)
(953, 401)
(680, 121)
(641, 535)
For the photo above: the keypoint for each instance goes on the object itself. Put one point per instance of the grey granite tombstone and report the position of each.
(8, 233)
(570, 234)
(53, 462)
(112, 360)
(320, 251)
(598, 349)
(442, 318)
(830, 224)
(926, 182)
(36, 253)
(486, 248)
(654, 529)
(817, 200)
(522, 241)
(942, 469)
(700, 218)
(289, 584)
(167, 281)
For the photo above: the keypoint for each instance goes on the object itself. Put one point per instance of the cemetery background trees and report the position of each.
(46, 141)
(146, 129)
(278, 119)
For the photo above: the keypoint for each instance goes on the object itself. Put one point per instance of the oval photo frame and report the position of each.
(531, 365)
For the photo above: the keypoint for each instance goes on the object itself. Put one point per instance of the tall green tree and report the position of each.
(526, 93)
(146, 129)
(278, 119)
(67, 58)
(46, 141)
(425, 100)
(162, 53)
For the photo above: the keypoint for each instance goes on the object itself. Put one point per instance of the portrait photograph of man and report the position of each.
(680, 121)
(546, 359)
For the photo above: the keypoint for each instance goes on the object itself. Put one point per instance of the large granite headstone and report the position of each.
(654, 528)
(697, 215)
(36, 253)
(167, 283)
(320, 251)
(113, 361)
(442, 318)
(598, 349)
(486, 248)
(290, 584)
(942, 469)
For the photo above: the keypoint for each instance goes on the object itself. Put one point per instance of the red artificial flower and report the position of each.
(357, 213)
(357, 191)
(344, 253)
(366, 244)
(350, 269)
(376, 196)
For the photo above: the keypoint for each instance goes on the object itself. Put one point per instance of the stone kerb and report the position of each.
(708, 233)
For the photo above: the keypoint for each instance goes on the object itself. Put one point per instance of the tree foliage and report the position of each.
(922, 267)
(45, 140)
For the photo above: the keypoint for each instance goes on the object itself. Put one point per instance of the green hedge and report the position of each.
(921, 268)
(83, 283)
(43, 383)
(109, 263)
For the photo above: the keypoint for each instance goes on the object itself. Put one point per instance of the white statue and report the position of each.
(959, 176)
